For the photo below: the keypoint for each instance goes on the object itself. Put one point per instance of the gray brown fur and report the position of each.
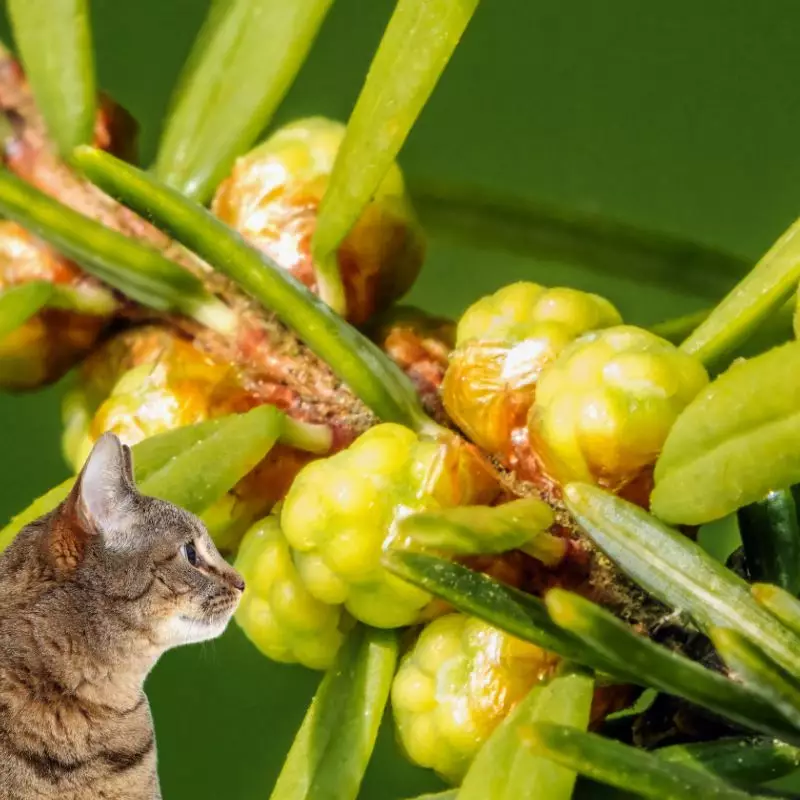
(90, 596)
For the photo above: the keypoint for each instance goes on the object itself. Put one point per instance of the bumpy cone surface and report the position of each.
(149, 380)
(144, 382)
(42, 349)
(339, 516)
(272, 197)
(277, 613)
(604, 408)
(457, 683)
(503, 343)
(420, 344)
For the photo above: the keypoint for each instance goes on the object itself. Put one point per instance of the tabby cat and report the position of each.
(90, 596)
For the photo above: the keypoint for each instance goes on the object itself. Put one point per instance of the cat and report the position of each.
(91, 595)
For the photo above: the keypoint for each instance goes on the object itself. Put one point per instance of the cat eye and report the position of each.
(190, 553)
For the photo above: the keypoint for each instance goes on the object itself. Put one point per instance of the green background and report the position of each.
(681, 116)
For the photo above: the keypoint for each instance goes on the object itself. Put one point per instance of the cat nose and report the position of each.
(237, 581)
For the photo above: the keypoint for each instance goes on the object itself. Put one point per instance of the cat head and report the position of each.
(145, 562)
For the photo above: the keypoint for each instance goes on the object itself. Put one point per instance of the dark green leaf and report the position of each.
(779, 603)
(775, 330)
(796, 313)
(677, 329)
(736, 441)
(505, 769)
(19, 303)
(528, 228)
(94, 300)
(415, 49)
(470, 530)
(370, 373)
(753, 300)
(157, 452)
(165, 454)
(135, 269)
(660, 668)
(759, 673)
(745, 759)
(333, 746)
(202, 473)
(626, 767)
(55, 42)
(642, 704)
(245, 58)
(677, 571)
(771, 540)
(477, 594)
(307, 436)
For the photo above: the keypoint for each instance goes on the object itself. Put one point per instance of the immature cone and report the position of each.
(48, 344)
(272, 197)
(604, 408)
(420, 344)
(148, 381)
(277, 613)
(144, 382)
(340, 513)
(503, 343)
(456, 684)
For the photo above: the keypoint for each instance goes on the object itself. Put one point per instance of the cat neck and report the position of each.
(111, 675)
(82, 652)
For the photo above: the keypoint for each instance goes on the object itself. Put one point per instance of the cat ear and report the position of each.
(106, 494)
(128, 458)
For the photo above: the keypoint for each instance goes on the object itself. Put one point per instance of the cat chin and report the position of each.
(185, 630)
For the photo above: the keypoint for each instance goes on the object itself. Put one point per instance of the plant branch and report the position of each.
(535, 230)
